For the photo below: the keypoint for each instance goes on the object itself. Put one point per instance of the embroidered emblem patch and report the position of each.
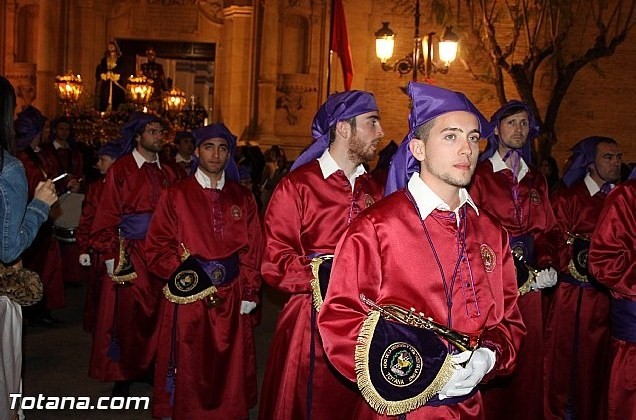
(186, 280)
(534, 197)
(401, 364)
(236, 212)
(217, 273)
(488, 257)
(368, 201)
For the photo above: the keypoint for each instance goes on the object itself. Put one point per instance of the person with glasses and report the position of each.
(125, 335)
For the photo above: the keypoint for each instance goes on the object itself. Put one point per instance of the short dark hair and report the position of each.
(424, 131)
(513, 110)
(332, 130)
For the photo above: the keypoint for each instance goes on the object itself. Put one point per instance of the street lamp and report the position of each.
(421, 59)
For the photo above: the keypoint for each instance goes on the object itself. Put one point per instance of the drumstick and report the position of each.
(57, 178)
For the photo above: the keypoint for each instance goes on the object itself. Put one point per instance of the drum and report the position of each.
(66, 215)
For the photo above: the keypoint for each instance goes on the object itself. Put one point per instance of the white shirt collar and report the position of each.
(140, 160)
(205, 182)
(58, 145)
(499, 165)
(592, 186)
(328, 166)
(427, 201)
(178, 158)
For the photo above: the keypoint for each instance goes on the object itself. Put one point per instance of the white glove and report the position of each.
(110, 266)
(247, 307)
(546, 278)
(85, 260)
(466, 378)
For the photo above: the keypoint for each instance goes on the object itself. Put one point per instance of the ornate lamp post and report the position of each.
(140, 90)
(421, 59)
(69, 87)
(174, 102)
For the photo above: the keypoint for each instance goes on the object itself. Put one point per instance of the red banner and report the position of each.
(340, 42)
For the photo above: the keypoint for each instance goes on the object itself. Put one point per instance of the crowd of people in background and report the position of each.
(175, 238)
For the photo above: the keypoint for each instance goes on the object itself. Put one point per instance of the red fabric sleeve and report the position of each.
(284, 265)
(612, 256)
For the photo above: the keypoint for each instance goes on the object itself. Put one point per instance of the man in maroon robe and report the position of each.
(214, 219)
(426, 247)
(106, 156)
(515, 193)
(125, 336)
(612, 261)
(577, 323)
(309, 210)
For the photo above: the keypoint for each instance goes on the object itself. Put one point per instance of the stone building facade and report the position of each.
(268, 73)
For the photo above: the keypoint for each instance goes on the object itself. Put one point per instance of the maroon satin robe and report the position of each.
(128, 190)
(612, 260)
(97, 269)
(385, 256)
(522, 393)
(214, 348)
(576, 370)
(307, 215)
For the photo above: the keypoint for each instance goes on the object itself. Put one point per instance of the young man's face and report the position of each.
(63, 131)
(364, 140)
(103, 163)
(607, 162)
(513, 130)
(213, 155)
(150, 139)
(450, 153)
(186, 147)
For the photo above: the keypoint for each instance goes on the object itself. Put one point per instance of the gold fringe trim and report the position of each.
(575, 273)
(188, 299)
(368, 391)
(126, 278)
(315, 281)
(527, 286)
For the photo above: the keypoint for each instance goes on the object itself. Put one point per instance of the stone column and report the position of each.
(235, 67)
(268, 73)
(49, 62)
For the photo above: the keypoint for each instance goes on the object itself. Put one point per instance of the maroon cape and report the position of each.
(307, 215)
(522, 393)
(213, 348)
(577, 323)
(129, 312)
(97, 269)
(385, 256)
(612, 260)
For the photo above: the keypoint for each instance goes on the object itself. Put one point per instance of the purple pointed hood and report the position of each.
(221, 131)
(338, 107)
(493, 139)
(428, 102)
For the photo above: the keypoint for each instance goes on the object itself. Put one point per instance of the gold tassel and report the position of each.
(368, 391)
(189, 299)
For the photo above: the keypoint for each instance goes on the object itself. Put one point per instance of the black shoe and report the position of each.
(121, 389)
